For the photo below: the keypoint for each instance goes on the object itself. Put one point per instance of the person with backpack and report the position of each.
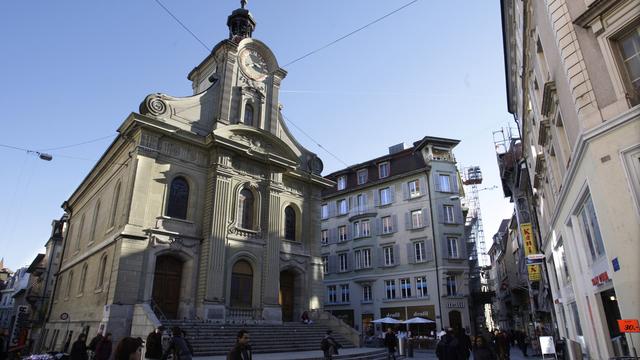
(329, 346)
(104, 347)
(448, 347)
(179, 347)
(154, 348)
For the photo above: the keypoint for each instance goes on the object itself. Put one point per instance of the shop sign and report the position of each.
(455, 305)
(534, 272)
(528, 239)
(600, 279)
(426, 311)
(20, 327)
(546, 345)
(397, 313)
(629, 326)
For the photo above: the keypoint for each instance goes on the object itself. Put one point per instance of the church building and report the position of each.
(203, 207)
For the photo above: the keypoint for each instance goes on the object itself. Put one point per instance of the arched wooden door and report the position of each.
(166, 285)
(287, 287)
(241, 285)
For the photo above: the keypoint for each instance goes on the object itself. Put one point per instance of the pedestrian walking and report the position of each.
(503, 346)
(91, 349)
(448, 346)
(79, 348)
(129, 349)
(4, 346)
(242, 349)
(390, 342)
(522, 342)
(104, 347)
(329, 346)
(464, 344)
(482, 351)
(179, 347)
(154, 348)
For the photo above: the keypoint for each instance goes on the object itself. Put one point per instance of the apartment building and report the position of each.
(392, 236)
(573, 86)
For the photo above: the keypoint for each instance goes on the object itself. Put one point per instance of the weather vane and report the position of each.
(243, 3)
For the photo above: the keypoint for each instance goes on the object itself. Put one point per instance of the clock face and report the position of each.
(253, 64)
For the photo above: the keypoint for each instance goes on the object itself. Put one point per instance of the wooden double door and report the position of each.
(287, 295)
(167, 281)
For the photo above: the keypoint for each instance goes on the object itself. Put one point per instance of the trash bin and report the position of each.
(410, 348)
(402, 344)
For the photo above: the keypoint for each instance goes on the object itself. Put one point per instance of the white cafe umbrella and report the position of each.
(387, 320)
(418, 320)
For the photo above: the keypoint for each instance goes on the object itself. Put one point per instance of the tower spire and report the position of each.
(241, 24)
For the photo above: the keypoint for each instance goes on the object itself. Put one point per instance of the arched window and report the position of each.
(101, 271)
(59, 284)
(245, 209)
(67, 292)
(79, 234)
(114, 205)
(248, 114)
(289, 223)
(83, 279)
(94, 222)
(178, 198)
(241, 284)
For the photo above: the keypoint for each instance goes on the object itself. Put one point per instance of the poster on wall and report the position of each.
(546, 345)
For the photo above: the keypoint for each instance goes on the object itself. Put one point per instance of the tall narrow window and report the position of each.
(387, 225)
(421, 286)
(324, 237)
(366, 258)
(94, 222)
(83, 279)
(333, 297)
(102, 269)
(383, 170)
(444, 183)
(241, 285)
(114, 205)
(414, 188)
(388, 256)
(591, 229)
(342, 233)
(416, 219)
(69, 284)
(629, 45)
(362, 176)
(248, 114)
(245, 209)
(344, 291)
(390, 288)
(419, 251)
(344, 264)
(452, 286)
(79, 234)
(449, 217)
(452, 247)
(386, 197)
(342, 207)
(178, 198)
(289, 223)
(405, 288)
(366, 293)
(324, 211)
(342, 182)
(325, 264)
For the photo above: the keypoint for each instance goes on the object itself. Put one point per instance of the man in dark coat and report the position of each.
(154, 344)
(448, 346)
(103, 349)
(390, 342)
(79, 349)
(242, 349)
(93, 344)
(178, 346)
(4, 346)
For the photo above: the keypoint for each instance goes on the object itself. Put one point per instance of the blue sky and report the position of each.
(71, 71)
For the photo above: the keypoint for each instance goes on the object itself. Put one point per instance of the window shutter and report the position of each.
(377, 227)
(423, 186)
(462, 249)
(436, 180)
(407, 221)
(333, 235)
(396, 254)
(394, 223)
(351, 202)
(350, 231)
(380, 254)
(376, 197)
(392, 194)
(440, 209)
(445, 247)
(411, 256)
(405, 190)
(457, 212)
(365, 198)
(428, 250)
(333, 264)
(454, 183)
(333, 209)
(426, 219)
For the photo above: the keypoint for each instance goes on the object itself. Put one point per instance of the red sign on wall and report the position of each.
(629, 326)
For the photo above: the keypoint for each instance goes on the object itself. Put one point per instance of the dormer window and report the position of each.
(362, 176)
(342, 182)
(383, 170)
(248, 114)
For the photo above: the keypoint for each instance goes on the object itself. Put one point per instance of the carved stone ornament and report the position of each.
(245, 233)
(174, 242)
(255, 145)
(154, 105)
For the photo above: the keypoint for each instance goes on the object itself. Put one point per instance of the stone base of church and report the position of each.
(214, 312)
(272, 314)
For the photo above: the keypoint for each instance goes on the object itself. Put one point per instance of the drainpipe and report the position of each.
(435, 251)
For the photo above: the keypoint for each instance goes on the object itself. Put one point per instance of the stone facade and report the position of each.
(573, 88)
(199, 201)
(385, 239)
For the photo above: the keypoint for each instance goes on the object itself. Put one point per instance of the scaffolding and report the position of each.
(472, 178)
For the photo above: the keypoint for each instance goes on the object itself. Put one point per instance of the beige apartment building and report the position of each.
(203, 207)
(393, 238)
(573, 85)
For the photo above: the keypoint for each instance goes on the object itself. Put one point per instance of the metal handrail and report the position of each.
(156, 310)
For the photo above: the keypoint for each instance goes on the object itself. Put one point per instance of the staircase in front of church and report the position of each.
(217, 339)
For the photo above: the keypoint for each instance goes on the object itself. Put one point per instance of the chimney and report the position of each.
(396, 148)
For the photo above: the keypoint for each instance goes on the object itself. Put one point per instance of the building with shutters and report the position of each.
(203, 207)
(392, 237)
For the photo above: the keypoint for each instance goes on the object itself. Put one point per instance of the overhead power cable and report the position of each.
(316, 142)
(351, 33)
(182, 24)
(78, 144)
